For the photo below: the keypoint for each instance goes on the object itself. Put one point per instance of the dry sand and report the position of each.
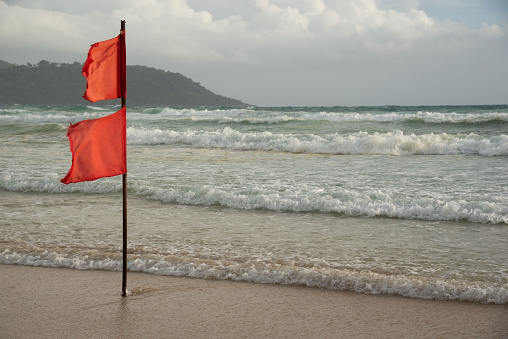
(40, 302)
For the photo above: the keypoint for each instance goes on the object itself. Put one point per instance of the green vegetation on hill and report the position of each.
(5, 64)
(49, 83)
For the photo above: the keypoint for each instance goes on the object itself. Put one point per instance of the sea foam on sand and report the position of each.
(58, 303)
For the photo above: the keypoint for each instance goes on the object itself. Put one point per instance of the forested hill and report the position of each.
(48, 83)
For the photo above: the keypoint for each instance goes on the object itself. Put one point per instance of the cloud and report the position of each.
(275, 52)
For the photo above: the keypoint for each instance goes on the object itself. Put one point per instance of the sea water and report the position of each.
(408, 201)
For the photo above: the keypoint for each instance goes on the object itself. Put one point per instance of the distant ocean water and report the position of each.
(410, 201)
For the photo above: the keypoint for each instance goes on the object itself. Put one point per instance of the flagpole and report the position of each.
(124, 185)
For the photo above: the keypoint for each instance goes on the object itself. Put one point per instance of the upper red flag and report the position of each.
(98, 147)
(105, 70)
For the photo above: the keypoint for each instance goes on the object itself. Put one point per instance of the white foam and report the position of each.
(266, 117)
(259, 120)
(13, 110)
(437, 117)
(351, 203)
(242, 115)
(50, 117)
(173, 113)
(392, 143)
(97, 108)
(51, 184)
(274, 273)
(295, 199)
(427, 117)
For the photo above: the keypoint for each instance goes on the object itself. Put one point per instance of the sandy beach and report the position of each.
(62, 303)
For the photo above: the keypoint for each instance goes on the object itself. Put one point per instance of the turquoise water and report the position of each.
(393, 200)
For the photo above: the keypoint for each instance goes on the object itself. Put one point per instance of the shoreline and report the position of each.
(54, 302)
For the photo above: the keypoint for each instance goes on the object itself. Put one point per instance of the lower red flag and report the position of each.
(98, 148)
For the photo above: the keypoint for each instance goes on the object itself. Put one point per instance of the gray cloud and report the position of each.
(279, 52)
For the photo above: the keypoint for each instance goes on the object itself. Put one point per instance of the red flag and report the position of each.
(105, 69)
(98, 148)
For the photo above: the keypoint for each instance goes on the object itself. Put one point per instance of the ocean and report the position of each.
(409, 201)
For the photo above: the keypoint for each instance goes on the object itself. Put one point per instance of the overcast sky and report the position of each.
(286, 52)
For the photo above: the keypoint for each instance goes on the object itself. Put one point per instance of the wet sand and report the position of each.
(40, 302)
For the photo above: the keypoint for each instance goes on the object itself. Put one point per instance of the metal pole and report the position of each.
(124, 185)
(124, 271)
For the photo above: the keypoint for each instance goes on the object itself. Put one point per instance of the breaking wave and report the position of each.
(343, 201)
(274, 271)
(361, 143)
